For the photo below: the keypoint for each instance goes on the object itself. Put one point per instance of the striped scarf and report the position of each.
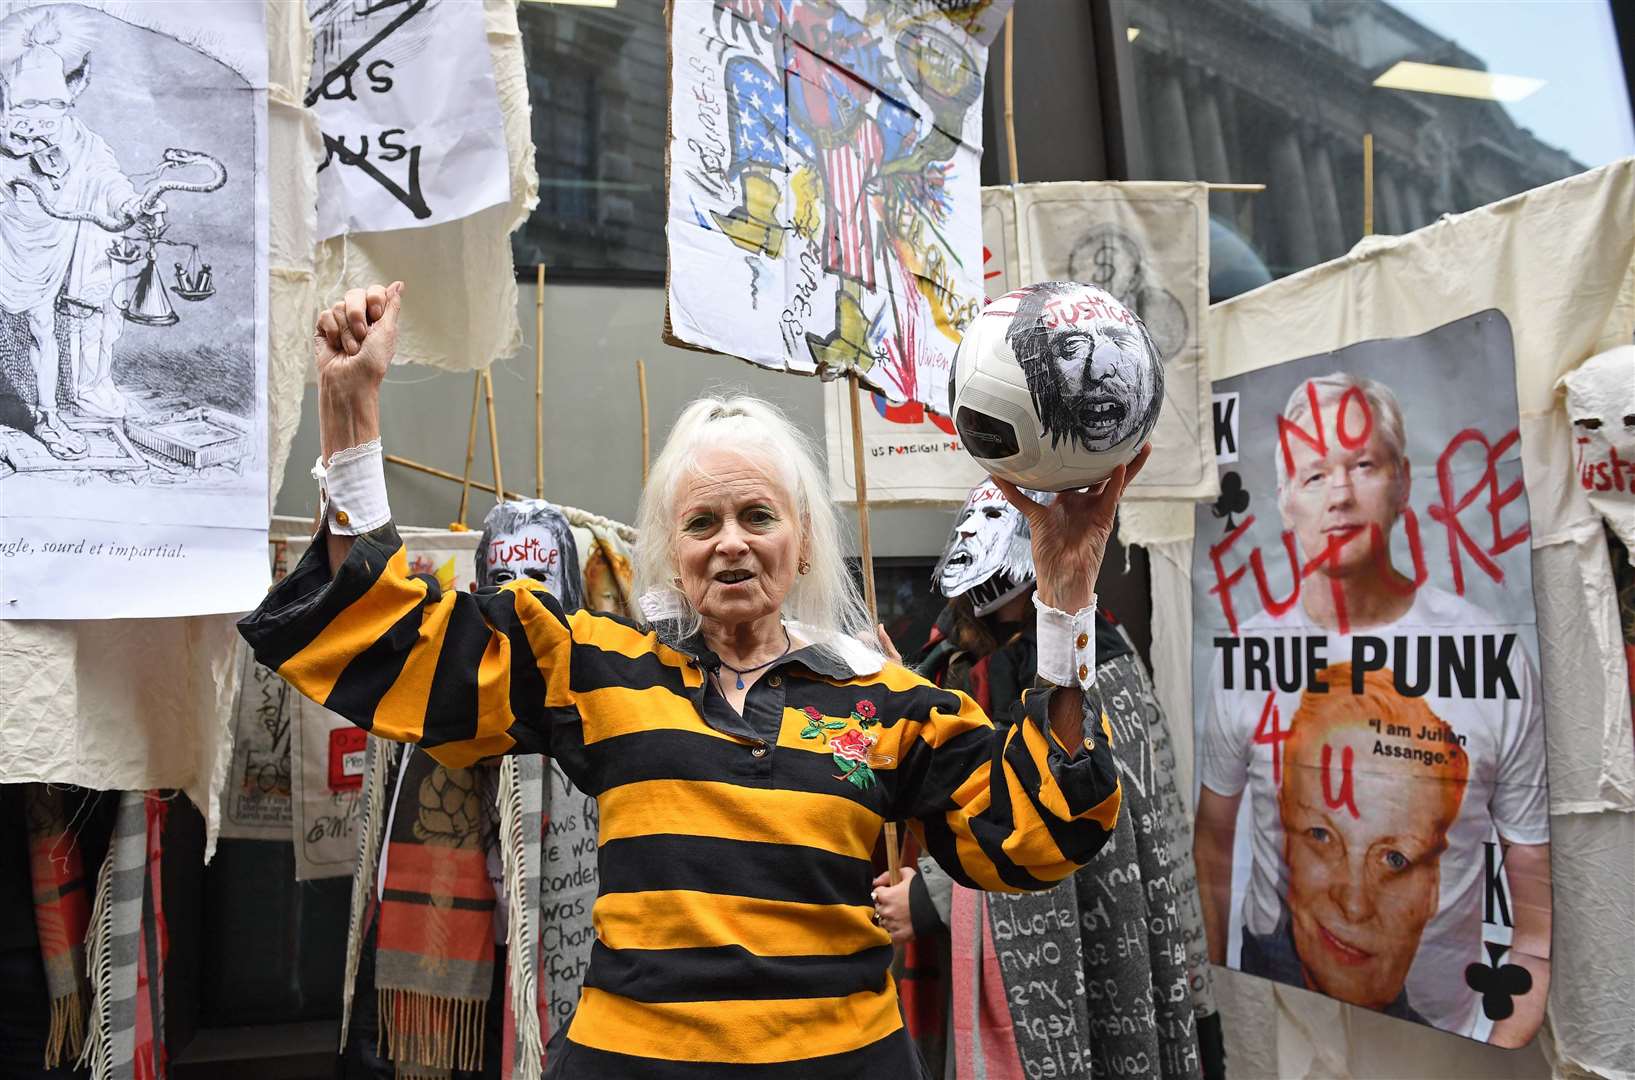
(434, 963)
(126, 948)
(62, 915)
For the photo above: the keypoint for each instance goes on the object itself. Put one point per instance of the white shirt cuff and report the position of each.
(1067, 645)
(352, 489)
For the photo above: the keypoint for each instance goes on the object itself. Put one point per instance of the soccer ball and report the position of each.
(1056, 385)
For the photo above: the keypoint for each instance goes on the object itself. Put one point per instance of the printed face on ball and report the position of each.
(1089, 363)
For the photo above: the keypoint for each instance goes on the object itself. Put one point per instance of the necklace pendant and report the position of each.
(740, 682)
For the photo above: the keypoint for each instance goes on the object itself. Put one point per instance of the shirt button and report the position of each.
(775, 681)
(1083, 671)
(759, 751)
(1084, 639)
(341, 517)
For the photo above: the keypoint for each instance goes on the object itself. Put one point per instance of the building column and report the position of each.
(1171, 134)
(1326, 200)
(1209, 143)
(1414, 204)
(1388, 213)
(1291, 203)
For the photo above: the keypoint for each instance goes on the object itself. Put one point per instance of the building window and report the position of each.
(596, 84)
(1467, 103)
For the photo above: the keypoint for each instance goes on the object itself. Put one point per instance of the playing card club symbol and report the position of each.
(1234, 499)
(1499, 984)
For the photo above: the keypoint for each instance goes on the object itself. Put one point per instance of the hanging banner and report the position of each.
(328, 749)
(1148, 245)
(133, 310)
(1373, 806)
(824, 207)
(911, 454)
(406, 101)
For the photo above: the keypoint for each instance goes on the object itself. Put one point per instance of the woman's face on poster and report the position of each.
(1342, 495)
(1361, 886)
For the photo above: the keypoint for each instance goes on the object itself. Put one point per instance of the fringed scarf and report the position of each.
(62, 915)
(126, 948)
(434, 963)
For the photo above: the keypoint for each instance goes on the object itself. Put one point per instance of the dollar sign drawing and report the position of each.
(1104, 264)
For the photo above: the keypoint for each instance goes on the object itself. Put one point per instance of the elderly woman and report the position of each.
(744, 754)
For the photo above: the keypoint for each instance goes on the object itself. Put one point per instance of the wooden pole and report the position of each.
(444, 474)
(1250, 188)
(641, 388)
(471, 445)
(539, 384)
(1368, 184)
(493, 433)
(894, 848)
(1010, 94)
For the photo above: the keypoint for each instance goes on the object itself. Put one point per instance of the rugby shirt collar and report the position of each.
(838, 657)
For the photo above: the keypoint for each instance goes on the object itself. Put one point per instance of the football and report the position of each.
(1055, 385)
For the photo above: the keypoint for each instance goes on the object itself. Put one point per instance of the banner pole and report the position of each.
(641, 388)
(444, 474)
(493, 434)
(1010, 93)
(894, 848)
(471, 445)
(1368, 184)
(539, 384)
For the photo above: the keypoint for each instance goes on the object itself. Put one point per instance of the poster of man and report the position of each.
(1373, 804)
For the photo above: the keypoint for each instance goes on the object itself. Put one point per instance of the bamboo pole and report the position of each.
(894, 848)
(1368, 184)
(471, 445)
(641, 388)
(1010, 97)
(539, 384)
(444, 474)
(493, 431)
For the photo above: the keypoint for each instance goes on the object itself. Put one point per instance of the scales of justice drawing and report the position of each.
(66, 207)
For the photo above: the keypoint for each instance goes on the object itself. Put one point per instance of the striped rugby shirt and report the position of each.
(733, 926)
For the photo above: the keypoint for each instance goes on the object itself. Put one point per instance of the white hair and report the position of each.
(1383, 408)
(826, 598)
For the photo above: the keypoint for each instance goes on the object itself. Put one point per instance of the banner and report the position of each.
(911, 454)
(1148, 245)
(1373, 806)
(406, 101)
(133, 309)
(822, 174)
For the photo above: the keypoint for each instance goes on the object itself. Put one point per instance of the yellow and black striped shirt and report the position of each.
(733, 928)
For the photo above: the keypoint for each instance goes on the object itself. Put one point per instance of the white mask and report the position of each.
(989, 553)
(1601, 407)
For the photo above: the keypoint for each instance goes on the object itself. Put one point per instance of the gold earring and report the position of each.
(804, 567)
(676, 582)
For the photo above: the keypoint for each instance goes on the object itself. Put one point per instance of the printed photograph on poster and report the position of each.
(1373, 805)
(824, 202)
(406, 102)
(132, 308)
(912, 454)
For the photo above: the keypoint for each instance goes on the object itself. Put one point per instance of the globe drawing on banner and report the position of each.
(1056, 385)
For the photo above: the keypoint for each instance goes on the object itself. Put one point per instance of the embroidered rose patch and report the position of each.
(851, 754)
(817, 727)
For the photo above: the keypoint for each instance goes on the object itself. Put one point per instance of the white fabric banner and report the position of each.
(1148, 245)
(411, 122)
(327, 749)
(910, 453)
(133, 311)
(1557, 263)
(822, 174)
